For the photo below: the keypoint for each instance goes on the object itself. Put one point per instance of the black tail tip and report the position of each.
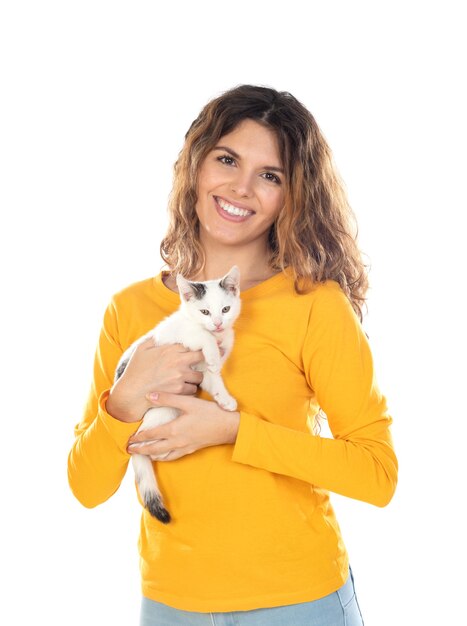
(157, 509)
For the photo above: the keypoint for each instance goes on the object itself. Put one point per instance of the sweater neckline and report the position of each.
(268, 285)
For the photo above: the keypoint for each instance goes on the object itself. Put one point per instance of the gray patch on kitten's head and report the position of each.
(199, 290)
(189, 290)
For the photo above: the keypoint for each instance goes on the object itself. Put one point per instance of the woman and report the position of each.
(253, 539)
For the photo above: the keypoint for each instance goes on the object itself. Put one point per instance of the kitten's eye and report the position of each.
(226, 309)
(204, 311)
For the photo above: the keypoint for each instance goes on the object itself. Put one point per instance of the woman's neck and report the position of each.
(249, 276)
(251, 259)
(252, 271)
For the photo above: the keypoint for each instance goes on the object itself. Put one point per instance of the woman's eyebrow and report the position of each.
(272, 168)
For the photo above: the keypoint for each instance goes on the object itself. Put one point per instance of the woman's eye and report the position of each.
(204, 311)
(272, 177)
(226, 159)
(226, 309)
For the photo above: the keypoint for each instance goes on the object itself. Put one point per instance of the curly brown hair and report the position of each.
(315, 235)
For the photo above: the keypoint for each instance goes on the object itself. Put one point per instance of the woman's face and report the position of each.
(240, 187)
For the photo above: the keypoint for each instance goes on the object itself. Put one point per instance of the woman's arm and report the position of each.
(359, 462)
(98, 460)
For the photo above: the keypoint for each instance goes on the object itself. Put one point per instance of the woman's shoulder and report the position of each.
(137, 289)
(326, 300)
(147, 295)
(328, 291)
(138, 307)
(314, 300)
(329, 294)
(142, 298)
(316, 292)
(330, 307)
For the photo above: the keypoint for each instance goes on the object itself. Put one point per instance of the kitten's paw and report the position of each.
(226, 402)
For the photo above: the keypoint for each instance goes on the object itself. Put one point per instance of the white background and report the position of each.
(95, 100)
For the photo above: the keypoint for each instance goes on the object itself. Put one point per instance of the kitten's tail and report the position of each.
(148, 488)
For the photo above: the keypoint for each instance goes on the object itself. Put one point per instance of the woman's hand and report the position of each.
(201, 424)
(153, 368)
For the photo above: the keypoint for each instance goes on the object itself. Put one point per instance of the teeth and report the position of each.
(233, 210)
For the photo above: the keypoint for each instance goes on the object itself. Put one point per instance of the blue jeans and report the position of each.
(337, 609)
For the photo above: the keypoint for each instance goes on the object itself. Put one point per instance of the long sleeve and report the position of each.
(359, 462)
(98, 459)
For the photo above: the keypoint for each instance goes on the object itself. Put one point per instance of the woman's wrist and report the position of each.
(234, 425)
(114, 410)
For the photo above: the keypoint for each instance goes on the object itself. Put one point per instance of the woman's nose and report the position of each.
(242, 184)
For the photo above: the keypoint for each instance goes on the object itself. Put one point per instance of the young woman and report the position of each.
(253, 539)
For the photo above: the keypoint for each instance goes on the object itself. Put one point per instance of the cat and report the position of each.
(203, 322)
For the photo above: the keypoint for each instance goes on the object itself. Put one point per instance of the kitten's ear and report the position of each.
(231, 281)
(185, 288)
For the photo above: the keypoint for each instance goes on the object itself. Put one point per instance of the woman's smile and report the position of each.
(230, 211)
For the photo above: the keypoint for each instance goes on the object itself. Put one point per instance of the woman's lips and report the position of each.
(229, 216)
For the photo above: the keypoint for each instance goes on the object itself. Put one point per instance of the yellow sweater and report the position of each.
(252, 522)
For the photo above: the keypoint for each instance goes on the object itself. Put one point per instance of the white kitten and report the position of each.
(203, 322)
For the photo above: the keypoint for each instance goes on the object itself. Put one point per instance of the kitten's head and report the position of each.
(214, 304)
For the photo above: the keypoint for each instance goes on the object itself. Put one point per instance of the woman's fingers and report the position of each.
(193, 357)
(151, 448)
(155, 441)
(194, 377)
(188, 389)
